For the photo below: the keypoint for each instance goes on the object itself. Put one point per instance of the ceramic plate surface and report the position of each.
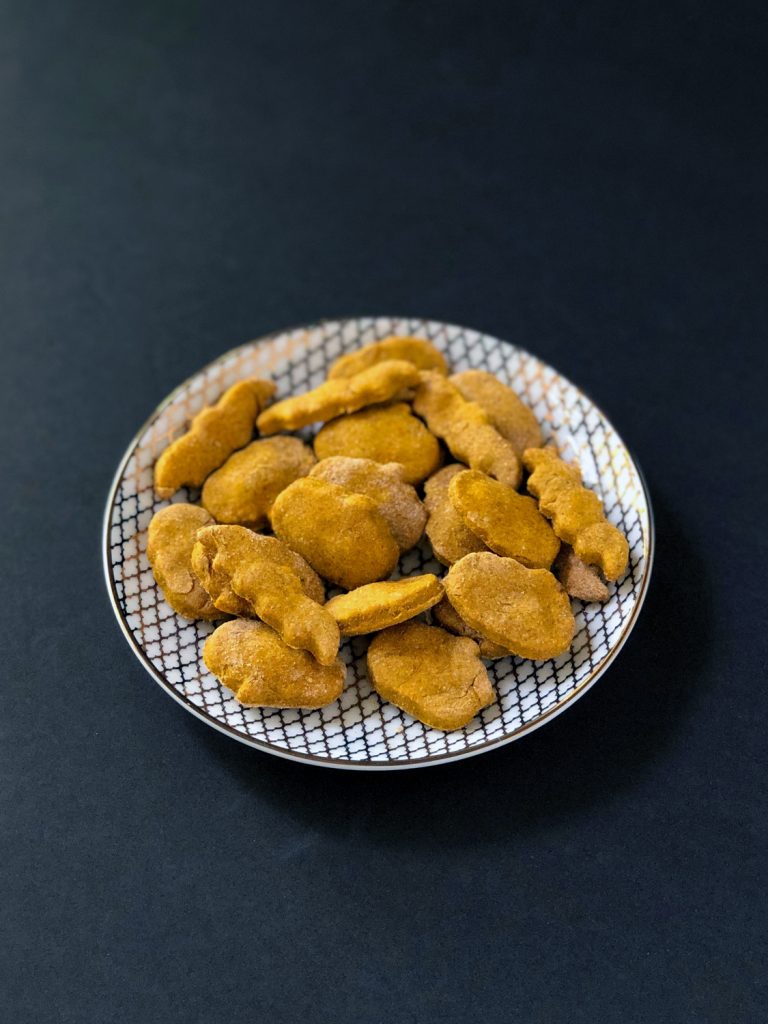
(359, 730)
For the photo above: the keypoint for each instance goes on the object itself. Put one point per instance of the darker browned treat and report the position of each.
(579, 579)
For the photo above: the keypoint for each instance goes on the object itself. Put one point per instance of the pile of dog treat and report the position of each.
(277, 520)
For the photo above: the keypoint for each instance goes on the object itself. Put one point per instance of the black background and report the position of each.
(588, 180)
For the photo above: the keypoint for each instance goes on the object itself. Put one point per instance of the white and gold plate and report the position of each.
(359, 730)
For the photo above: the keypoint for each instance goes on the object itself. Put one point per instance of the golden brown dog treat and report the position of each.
(525, 610)
(215, 432)
(385, 434)
(579, 579)
(433, 676)
(273, 550)
(511, 417)
(550, 469)
(379, 383)
(450, 619)
(418, 351)
(466, 429)
(341, 534)
(507, 522)
(379, 605)
(242, 580)
(263, 671)
(576, 512)
(553, 477)
(449, 537)
(170, 539)
(383, 483)
(604, 545)
(244, 489)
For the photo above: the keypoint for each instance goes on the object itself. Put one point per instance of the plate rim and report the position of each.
(340, 763)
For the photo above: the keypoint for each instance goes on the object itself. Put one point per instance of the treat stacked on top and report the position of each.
(347, 511)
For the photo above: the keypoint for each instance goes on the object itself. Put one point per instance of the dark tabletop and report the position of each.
(588, 180)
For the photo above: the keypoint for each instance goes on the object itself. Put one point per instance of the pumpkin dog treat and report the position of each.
(525, 610)
(418, 351)
(604, 545)
(379, 383)
(385, 434)
(215, 432)
(272, 549)
(245, 488)
(342, 535)
(511, 417)
(507, 522)
(434, 676)
(450, 619)
(262, 671)
(576, 512)
(379, 605)
(397, 501)
(449, 537)
(170, 540)
(579, 579)
(466, 429)
(242, 580)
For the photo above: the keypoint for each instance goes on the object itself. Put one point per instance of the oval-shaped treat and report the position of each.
(434, 676)
(170, 539)
(466, 429)
(385, 434)
(397, 501)
(511, 417)
(216, 432)
(579, 579)
(525, 610)
(262, 671)
(507, 522)
(341, 534)
(244, 489)
(380, 383)
(447, 533)
(418, 351)
(242, 579)
(379, 605)
(450, 619)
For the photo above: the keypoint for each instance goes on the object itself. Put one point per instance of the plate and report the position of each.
(359, 730)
